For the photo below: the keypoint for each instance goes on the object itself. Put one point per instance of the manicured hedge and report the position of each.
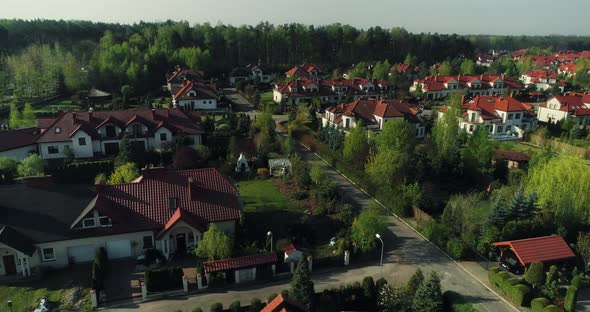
(571, 297)
(163, 279)
(553, 308)
(520, 294)
(577, 281)
(81, 172)
(538, 304)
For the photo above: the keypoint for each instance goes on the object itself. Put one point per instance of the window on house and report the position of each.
(137, 130)
(471, 127)
(110, 131)
(57, 130)
(48, 254)
(52, 149)
(509, 116)
(104, 221)
(191, 238)
(89, 222)
(507, 128)
(500, 129)
(517, 116)
(147, 242)
(163, 137)
(81, 141)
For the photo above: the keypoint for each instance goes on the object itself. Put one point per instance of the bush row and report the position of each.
(81, 172)
(518, 293)
(163, 279)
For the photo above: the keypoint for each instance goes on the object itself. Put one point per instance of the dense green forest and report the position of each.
(44, 57)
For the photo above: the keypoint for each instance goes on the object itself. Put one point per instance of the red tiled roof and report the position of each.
(240, 262)
(437, 83)
(201, 91)
(181, 215)
(144, 204)
(16, 138)
(302, 70)
(180, 74)
(488, 105)
(175, 119)
(367, 109)
(282, 304)
(539, 249)
(290, 249)
(574, 103)
(511, 155)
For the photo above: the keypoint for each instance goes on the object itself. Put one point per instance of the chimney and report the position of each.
(191, 186)
(462, 99)
(481, 77)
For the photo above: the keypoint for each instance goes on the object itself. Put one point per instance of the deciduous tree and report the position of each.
(215, 244)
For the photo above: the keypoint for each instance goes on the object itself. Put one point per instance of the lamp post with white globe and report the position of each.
(382, 245)
(269, 234)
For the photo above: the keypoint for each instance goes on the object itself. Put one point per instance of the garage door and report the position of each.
(79, 254)
(119, 249)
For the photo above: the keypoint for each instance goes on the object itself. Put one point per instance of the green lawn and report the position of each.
(62, 104)
(56, 285)
(267, 102)
(262, 195)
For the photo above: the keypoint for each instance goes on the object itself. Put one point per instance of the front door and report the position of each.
(9, 264)
(180, 244)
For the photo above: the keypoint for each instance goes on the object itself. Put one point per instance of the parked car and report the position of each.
(43, 305)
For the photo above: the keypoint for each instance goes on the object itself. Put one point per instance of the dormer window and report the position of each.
(58, 130)
(88, 223)
(104, 221)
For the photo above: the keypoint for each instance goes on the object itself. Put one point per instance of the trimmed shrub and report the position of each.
(380, 283)
(535, 274)
(285, 293)
(163, 279)
(499, 278)
(577, 281)
(520, 294)
(507, 284)
(571, 297)
(369, 287)
(538, 304)
(255, 305)
(235, 306)
(216, 307)
(553, 308)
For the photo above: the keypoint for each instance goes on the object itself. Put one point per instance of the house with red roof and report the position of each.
(410, 71)
(309, 71)
(541, 79)
(501, 116)
(168, 210)
(574, 107)
(18, 143)
(99, 133)
(303, 90)
(195, 95)
(284, 304)
(570, 69)
(175, 79)
(372, 114)
(439, 87)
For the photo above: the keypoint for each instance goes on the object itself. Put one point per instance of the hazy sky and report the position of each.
(569, 17)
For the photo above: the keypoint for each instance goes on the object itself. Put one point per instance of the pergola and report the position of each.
(279, 166)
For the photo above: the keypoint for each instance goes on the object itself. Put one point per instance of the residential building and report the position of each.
(308, 71)
(541, 79)
(99, 133)
(439, 87)
(373, 114)
(328, 91)
(485, 60)
(284, 304)
(195, 95)
(175, 79)
(574, 107)
(502, 116)
(513, 159)
(250, 72)
(407, 70)
(47, 226)
(18, 143)
(570, 69)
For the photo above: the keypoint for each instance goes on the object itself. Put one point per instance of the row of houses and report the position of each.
(439, 87)
(99, 133)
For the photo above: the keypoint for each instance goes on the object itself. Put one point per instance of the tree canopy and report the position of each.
(215, 244)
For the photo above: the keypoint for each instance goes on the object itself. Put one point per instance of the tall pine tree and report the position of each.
(428, 297)
(302, 288)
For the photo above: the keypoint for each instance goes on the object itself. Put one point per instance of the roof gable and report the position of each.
(539, 249)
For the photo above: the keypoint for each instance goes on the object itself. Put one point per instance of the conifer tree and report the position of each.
(302, 288)
(428, 297)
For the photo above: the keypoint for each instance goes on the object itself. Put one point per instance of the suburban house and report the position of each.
(541, 79)
(308, 71)
(250, 72)
(572, 106)
(485, 60)
(284, 304)
(18, 143)
(513, 159)
(99, 133)
(502, 116)
(164, 209)
(519, 254)
(175, 79)
(407, 70)
(570, 69)
(439, 87)
(373, 114)
(328, 91)
(195, 95)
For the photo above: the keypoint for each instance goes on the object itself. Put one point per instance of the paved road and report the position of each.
(405, 252)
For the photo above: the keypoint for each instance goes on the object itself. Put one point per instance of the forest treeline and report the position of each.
(110, 55)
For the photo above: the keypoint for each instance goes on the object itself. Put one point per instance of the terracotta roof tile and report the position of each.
(12, 139)
(240, 262)
(282, 304)
(539, 249)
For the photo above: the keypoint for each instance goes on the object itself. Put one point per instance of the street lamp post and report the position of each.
(382, 246)
(269, 234)
(9, 303)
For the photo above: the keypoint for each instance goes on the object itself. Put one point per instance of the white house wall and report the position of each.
(60, 145)
(82, 151)
(19, 153)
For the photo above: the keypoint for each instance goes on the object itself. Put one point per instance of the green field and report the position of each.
(262, 195)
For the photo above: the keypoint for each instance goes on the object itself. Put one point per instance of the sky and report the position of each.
(500, 17)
